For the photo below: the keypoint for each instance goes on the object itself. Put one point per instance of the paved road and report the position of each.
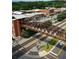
(49, 56)
(23, 51)
(28, 57)
(62, 55)
(21, 45)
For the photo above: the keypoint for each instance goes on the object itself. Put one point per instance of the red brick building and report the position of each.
(16, 31)
(18, 21)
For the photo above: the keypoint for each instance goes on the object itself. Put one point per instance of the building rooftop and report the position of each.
(17, 12)
(16, 16)
(27, 15)
(32, 14)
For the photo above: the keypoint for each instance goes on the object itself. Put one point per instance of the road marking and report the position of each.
(46, 57)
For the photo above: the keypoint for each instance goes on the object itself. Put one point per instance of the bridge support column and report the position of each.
(16, 28)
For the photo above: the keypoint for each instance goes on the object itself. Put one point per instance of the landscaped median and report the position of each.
(45, 48)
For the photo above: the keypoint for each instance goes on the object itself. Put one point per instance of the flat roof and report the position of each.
(27, 15)
(17, 12)
(32, 14)
(18, 16)
(13, 19)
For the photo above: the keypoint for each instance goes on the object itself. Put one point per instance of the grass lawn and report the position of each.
(65, 28)
(57, 51)
(53, 41)
(49, 46)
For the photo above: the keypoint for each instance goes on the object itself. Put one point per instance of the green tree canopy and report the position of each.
(61, 16)
(37, 5)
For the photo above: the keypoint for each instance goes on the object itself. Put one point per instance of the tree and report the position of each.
(37, 5)
(47, 24)
(27, 33)
(61, 16)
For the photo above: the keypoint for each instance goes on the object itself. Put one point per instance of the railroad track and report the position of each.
(21, 45)
(23, 50)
